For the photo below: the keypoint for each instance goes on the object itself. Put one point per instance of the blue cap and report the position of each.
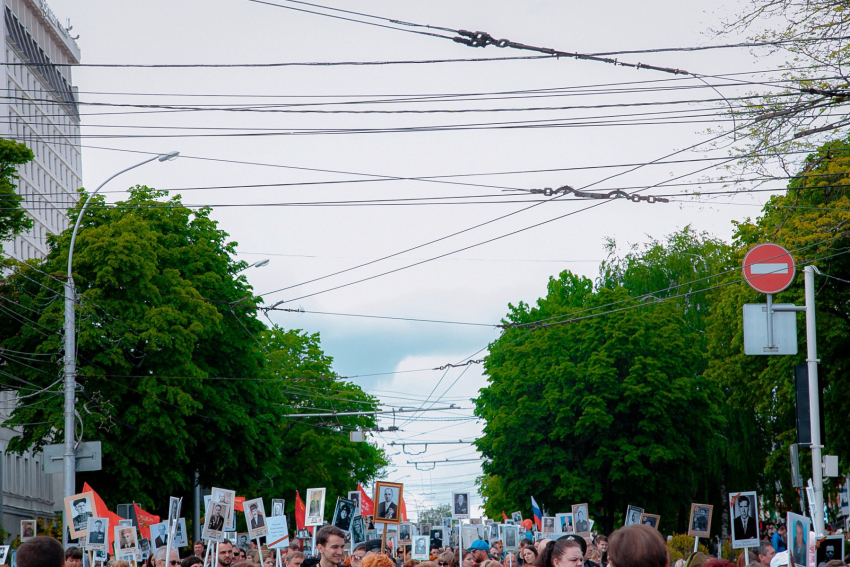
(479, 544)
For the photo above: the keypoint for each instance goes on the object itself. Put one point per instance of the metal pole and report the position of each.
(68, 455)
(196, 511)
(769, 320)
(814, 399)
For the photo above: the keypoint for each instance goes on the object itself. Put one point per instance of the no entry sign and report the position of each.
(769, 268)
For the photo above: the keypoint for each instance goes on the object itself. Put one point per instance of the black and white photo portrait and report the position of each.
(510, 538)
(548, 524)
(358, 530)
(650, 520)
(255, 517)
(243, 541)
(580, 519)
(277, 507)
(460, 505)
(494, 532)
(343, 514)
(633, 515)
(354, 496)
(516, 517)
(829, 549)
(420, 548)
(79, 507)
(437, 537)
(173, 508)
(180, 539)
(315, 507)
(744, 513)
(127, 541)
(159, 533)
(28, 530)
(4, 554)
(97, 530)
(387, 500)
(144, 548)
(404, 533)
(700, 524)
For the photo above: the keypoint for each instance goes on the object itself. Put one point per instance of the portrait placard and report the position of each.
(101, 556)
(420, 548)
(159, 535)
(743, 508)
(564, 523)
(516, 517)
(548, 524)
(255, 517)
(97, 530)
(4, 553)
(829, 549)
(354, 496)
(650, 520)
(405, 533)
(278, 535)
(633, 515)
(494, 533)
(798, 538)
(437, 536)
(144, 548)
(344, 514)
(510, 538)
(387, 499)
(126, 541)
(460, 505)
(580, 517)
(125, 523)
(700, 523)
(79, 507)
(28, 530)
(174, 504)
(219, 514)
(358, 531)
(180, 535)
(278, 507)
(243, 541)
(315, 507)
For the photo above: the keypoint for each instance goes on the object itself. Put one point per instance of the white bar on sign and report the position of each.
(769, 268)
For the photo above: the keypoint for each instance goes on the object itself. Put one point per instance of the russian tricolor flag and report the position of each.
(538, 515)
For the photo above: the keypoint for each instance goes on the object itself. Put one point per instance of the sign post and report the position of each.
(769, 269)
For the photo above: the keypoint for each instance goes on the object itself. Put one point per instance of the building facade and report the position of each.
(40, 109)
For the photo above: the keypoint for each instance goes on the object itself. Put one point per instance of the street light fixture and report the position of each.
(69, 457)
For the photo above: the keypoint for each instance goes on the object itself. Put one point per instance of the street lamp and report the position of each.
(257, 264)
(69, 457)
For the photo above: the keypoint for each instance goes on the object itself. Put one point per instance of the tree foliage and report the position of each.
(176, 373)
(13, 219)
(609, 409)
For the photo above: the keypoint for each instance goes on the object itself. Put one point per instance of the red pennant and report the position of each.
(300, 511)
(367, 505)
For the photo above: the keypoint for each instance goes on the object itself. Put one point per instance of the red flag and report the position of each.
(238, 503)
(103, 511)
(300, 511)
(402, 510)
(146, 520)
(367, 506)
(505, 516)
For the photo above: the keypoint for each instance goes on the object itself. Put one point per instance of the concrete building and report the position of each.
(39, 109)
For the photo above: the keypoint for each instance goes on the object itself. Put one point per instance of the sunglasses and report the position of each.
(443, 563)
(175, 562)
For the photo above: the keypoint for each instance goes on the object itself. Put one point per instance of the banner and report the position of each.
(146, 520)
(367, 506)
(300, 511)
(103, 510)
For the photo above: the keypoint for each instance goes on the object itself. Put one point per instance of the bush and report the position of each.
(682, 546)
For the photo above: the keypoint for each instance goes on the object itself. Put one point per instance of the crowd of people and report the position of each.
(630, 546)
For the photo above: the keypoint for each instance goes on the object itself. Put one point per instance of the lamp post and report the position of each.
(257, 264)
(69, 456)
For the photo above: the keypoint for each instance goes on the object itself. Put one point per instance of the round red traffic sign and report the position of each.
(769, 268)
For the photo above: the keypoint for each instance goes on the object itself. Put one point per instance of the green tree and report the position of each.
(811, 221)
(177, 375)
(608, 409)
(435, 515)
(13, 219)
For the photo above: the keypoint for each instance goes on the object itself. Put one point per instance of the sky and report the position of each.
(308, 134)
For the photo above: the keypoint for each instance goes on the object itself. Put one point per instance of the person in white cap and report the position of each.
(781, 559)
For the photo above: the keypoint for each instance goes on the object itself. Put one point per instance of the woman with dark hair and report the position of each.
(565, 552)
(637, 546)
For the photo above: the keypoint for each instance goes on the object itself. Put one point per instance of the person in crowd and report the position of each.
(225, 553)
(463, 559)
(121, 563)
(714, 562)
(778, 539)
(73, 557)
(294, 559)
(357, 555)
(742, 559)
(835, 563)
(493, 553)
(268, 559)
(377, 560)
(593, 557)
(492, 563)
(637, 546)
(427, 564)
(40, 551)
(445, 559)
(410, 563)
(479, 549)
(159, 558)
(766, 551)
(528, 554)
(192, 561)
(510, 560)
(199, 549)
(330, 545)
(541, 544)
(563, 552)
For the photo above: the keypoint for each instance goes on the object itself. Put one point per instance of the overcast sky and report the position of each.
(584, 145)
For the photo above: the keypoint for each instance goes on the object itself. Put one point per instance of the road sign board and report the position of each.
(769, 268)
(755, 330)
(88, 457)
